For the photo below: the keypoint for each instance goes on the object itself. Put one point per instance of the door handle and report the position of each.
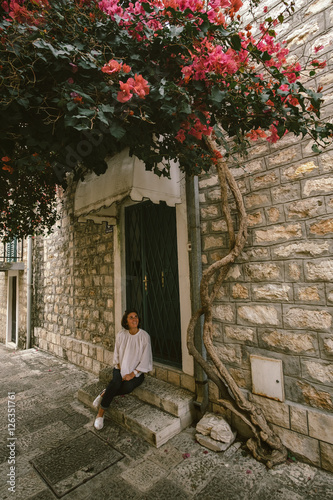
(145, 281)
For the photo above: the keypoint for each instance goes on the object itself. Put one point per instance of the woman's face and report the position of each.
(132, 320)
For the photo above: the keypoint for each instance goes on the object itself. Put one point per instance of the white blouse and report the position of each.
(133, 352)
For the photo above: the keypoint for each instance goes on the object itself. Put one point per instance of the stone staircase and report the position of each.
(156, 410)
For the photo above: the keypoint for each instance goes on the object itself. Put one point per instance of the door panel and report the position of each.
(152, 276)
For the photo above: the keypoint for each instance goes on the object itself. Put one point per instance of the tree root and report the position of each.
(265, 446)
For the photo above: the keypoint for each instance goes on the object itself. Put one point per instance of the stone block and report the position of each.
(213, 242)
(99, 353)
(276, 234)
(187, 382)
(259, 253)
(289, 192)
(326, 451)
(317, 6)
(284, 157)
(255, 219)
(212, 444)
(88, 364)
(96, 367)
(263, 271)
(299, 171)
(85, 349)
(265, 180)
(318, 371)
(302, 446)
(161, 373)
(322, 185)
(303, 209)
(314, 396)
(208, 181)
(259, 315)
(240, 334)
(174, 378)
(224, 312)
(294, 272)
(322, 228)
(326, 345)
(326, 159)
(294, 342)
(210, 212)
(213, 195)
(275, 214)
(300, 318)
(242, 377)
(310, 294)
(298, 419)
(301, 35)
(77, 346)
(274, 411)
(239, 291)
(108, 357)
(229, 353)
(209, 421)
(321, 426)
(256, 200)
(319, 270)
(272, 292)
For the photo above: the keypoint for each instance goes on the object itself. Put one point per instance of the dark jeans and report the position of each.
(118, 386)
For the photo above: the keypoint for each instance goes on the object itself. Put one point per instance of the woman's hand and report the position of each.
(129, 376)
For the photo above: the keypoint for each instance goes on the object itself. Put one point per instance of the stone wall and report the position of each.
(73, 290)
(278, 297)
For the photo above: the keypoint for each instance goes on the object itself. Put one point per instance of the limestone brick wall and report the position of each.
(277, 300)
(73, 290)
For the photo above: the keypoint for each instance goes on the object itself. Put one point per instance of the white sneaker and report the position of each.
(99, 423)
(97, 401)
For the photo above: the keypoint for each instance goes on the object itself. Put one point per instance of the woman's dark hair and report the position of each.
(124, 323)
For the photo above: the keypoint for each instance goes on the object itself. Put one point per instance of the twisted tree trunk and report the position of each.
(265, 445)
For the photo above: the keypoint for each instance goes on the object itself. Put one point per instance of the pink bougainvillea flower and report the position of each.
(181, 135)
(255, 134)
(274, 137)
(140, 85)
(125, 92)
(318, 48)
(126, 68)
(112, 66)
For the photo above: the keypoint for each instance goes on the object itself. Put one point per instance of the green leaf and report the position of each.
(106, 108)
(236, 42)
(117, 130)
(217, 95)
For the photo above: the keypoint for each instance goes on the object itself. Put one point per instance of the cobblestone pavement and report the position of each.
(50, 450)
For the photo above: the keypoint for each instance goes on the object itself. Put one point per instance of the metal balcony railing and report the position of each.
(12, 251)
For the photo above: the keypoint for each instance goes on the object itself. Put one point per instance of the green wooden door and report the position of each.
(152, 285)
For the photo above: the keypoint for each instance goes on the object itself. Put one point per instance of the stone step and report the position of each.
(167, 397)
(155, 425)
